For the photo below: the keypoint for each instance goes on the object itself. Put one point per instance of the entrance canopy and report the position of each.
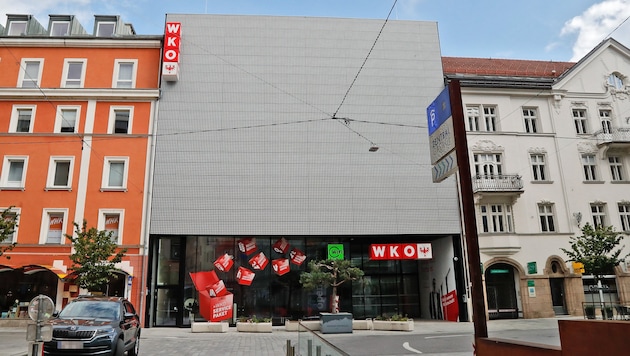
(31, 269)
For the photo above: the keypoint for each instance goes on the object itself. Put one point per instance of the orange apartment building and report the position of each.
(77, 114)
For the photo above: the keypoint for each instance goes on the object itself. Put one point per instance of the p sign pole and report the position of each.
(447, 110)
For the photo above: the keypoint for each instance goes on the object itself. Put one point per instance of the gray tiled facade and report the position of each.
(247, 144)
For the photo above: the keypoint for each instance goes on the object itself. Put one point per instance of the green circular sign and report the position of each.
(335, 252)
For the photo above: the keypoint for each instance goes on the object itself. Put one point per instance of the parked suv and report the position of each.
(95, 326)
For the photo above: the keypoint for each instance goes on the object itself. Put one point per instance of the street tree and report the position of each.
(598, 249)
(8, 224)
(95, 256)
(330, 273)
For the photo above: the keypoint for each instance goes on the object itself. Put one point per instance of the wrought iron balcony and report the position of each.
(614, 136)
(497, 183)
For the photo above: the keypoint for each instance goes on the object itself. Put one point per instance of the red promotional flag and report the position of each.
(280, 266)
(247, 246)
(218, 289)
(450, 306)
(221, 308)
(281, 246)
(244, 276)
(297, 257)
(224, 263)
(259, 261)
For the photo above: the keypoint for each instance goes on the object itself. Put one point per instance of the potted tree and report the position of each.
(331, 273)
(94, 258)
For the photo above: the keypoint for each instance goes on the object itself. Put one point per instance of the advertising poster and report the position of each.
(450, 306)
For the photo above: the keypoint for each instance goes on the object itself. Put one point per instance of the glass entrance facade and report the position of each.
(388, 287)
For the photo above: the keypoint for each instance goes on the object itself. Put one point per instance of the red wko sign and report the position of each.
(401, 251)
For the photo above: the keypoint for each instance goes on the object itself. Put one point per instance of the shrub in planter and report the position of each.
(254, 324)
(395, 322)
(589, 311)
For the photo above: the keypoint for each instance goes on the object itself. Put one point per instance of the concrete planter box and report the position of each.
(254, 327)
(393, 325)
(362, 324)
(338, 323)
(209, 327)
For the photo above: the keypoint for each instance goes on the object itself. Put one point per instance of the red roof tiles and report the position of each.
(504, 67)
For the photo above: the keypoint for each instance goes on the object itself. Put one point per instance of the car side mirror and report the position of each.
(128, 316)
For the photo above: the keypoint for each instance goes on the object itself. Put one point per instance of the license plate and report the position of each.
(70, 345)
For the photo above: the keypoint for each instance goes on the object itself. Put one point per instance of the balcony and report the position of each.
(504, 184)
(613, 138)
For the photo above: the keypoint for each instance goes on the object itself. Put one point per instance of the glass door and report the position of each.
(168, 305)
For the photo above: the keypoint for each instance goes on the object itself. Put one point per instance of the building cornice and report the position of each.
(88, 42)
(78, 94)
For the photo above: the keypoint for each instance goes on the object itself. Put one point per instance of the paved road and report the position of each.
(429, 337)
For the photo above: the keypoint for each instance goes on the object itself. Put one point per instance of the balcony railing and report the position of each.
(497, 183)
(615, 135)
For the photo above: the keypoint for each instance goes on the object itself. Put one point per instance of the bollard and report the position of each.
(309, 344)
(290, 349)
(318, 350)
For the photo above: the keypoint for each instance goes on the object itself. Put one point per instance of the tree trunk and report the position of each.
(334, 304)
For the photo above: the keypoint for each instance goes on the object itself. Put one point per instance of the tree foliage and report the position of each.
(329, 273)
(94, 257)
(598, 249)
(8, 224)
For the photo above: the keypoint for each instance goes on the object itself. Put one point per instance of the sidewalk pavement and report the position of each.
(156, 340)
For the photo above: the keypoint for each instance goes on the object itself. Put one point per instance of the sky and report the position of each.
(550, 30)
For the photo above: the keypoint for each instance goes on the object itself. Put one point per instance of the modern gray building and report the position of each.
(299, 136)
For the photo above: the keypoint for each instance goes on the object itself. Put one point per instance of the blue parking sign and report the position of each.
(439, 110)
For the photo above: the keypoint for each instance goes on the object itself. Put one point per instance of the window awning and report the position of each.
(5, 268)
(30, 269)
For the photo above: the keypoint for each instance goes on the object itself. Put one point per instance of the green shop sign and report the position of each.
(335, 252)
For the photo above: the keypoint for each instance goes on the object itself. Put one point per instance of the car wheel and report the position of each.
(136, 348)
(120, 348)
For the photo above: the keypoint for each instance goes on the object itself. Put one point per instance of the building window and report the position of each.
(105, 29)
(490, 118)
(13, 172)
(115, 173)
(599, 214)
(616, 168)
(496, 218)
(120, 119)
(53, 226)
(579, 118)
(22, 119)
(111, 220)
(60, 28)
(60, 173)
(538, 167)
(606, 120)
(125, 73)
(12, 214)
(30, 73)
(73, 73)
(488, 165)
(624, 215)
(530, 116)
(615, 81)
(67, 119)
(472, 118)
(17, 28)
(545, 213)
(589, 166)
(474, 121)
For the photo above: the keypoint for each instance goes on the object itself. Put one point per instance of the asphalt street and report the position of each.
(428, 338)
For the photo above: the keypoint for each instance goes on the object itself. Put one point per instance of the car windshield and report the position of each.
(91, 309)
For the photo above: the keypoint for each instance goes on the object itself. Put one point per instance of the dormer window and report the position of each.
(615, 81)
(105, 29)
(60, 28)
(17, 28)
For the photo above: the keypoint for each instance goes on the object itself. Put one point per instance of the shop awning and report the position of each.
(30, 269)
(5, 268)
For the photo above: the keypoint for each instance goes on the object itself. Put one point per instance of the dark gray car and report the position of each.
(95, 326)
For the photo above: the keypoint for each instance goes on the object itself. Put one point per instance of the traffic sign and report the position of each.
(445, 167)
(439, 110)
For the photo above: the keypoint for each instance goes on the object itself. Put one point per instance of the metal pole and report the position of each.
(468, 211)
